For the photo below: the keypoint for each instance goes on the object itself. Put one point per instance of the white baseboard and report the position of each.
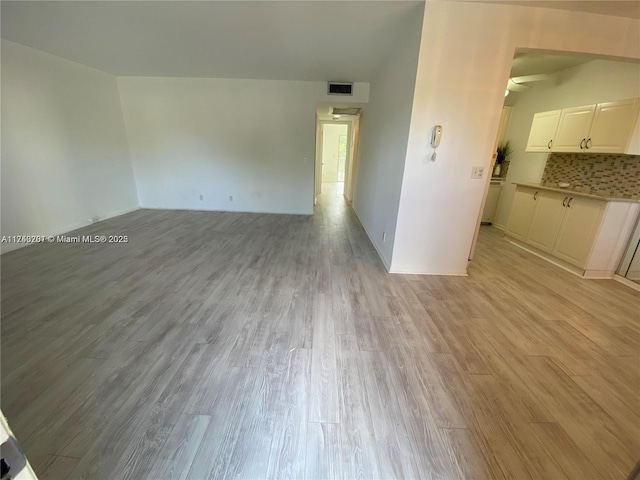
(184, 209)
(585, 274)
(557, 262)
(404, 272)
(627, 282)
(10, 247)
(599, 274)
(441, 274)
(375, 246)
(499, 227)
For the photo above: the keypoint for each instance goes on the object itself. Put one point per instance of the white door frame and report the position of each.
(503, 128)
(317, 181)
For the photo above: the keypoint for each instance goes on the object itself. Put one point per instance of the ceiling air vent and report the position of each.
(346, 111)
(340, 88)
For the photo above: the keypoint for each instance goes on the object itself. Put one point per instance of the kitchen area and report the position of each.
(569, 190)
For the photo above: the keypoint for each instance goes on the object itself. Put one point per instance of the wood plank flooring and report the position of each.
(228, 345)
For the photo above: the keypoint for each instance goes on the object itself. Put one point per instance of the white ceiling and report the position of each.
(283, 40)
(232, 39)
(615, 8)
(531, 63)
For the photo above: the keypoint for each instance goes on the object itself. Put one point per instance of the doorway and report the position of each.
(334, 153)
(538, 81)
(336, 141)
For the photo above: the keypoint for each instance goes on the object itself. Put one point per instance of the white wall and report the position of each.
(249, 139)
(64, 151)
(593, 82)
(384, 129)
(465, 58)
(330, 151)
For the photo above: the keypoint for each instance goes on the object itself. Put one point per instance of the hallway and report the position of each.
(234, 345)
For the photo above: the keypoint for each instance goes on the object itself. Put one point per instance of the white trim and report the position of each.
(306, 214)
(544, 257)
(599, 274)
(585, 274)
(499, 227)
(384, 260)
(441, 274)
(627, 282)
(407, 272)
(69, 228)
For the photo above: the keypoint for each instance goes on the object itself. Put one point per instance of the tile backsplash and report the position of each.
(606, 174)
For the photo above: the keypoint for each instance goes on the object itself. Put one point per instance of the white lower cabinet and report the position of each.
(578, 230)
(522, 208)
(569, 226)
(546, 221)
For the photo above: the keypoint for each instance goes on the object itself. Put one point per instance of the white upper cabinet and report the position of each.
(573, 129)
(543, 130)
(612, 126)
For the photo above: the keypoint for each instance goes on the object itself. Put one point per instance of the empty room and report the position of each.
(320, 240)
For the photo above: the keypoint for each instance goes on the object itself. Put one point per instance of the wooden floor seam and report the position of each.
(218, 345)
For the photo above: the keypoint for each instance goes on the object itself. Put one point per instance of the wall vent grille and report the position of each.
(340, 88)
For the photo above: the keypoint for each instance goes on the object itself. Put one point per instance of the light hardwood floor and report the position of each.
(224, 345)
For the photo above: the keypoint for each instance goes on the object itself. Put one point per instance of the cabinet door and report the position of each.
(612, 126)
(573, 128)
(547, 219)
(579, 228)
(543, 130)
(522, 209)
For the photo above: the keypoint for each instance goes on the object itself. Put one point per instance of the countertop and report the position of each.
(578, 194)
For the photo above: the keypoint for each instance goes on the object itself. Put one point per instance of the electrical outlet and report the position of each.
(477, 172)
(231, 198)
(201, 197)
(384, 237)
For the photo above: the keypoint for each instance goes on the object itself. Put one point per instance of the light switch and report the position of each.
(477, 172)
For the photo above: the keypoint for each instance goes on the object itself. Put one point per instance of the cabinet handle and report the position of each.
(587, 145)
(584, 140)
(549, 144)
(564, 202)
(570, 202)
(535, 196)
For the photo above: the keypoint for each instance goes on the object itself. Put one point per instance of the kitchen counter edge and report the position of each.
(578, 194)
